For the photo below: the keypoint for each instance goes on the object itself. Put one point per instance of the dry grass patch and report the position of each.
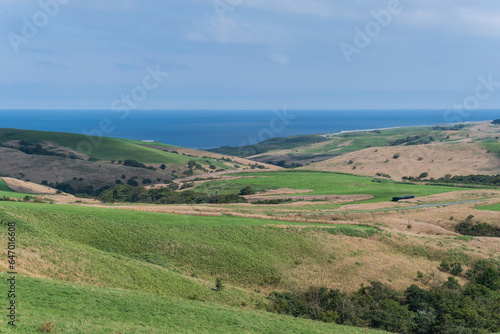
(28, 187)
(436, 159)
(356, 261)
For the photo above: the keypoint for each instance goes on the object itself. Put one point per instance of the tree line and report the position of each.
(444, 309)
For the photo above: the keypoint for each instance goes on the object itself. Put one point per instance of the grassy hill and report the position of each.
(104, 148)
(84, 161)
(95, 269)
(76, 308)
(334, 151)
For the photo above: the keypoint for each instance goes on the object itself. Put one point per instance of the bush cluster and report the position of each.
(126, 193)
(446, 308)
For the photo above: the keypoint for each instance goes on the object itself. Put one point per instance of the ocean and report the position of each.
(203, 129)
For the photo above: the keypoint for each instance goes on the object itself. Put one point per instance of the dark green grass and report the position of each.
(494, 207)
(3, 186)
(75, 308)
(326, 183)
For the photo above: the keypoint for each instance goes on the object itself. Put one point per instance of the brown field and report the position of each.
(436, 159)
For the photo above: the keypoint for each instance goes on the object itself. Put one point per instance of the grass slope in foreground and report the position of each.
(170, 255)
(325, 183)
(75, 308)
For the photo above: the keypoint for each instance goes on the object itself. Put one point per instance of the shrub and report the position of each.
(395, 156)
(218, 284)
(444, 266)
(132, 182)
(423, 175)
(163, 166)
(134, 163)
(456, 269)
(467, 227)
(247, 191)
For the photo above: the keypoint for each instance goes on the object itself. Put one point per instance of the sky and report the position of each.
(249, 54)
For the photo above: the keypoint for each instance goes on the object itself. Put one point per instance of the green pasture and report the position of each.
(494, 207)
(325, 183)
(171, 255)
(78, 309)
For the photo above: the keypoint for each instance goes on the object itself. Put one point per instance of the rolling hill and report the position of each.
(87, 162)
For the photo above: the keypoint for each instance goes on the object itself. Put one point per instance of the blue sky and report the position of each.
(264, 54)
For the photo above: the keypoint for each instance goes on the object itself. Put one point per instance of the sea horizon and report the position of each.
(206, 129)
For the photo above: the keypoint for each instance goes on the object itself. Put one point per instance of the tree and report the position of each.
(132, 182)
(247, 191)
(218, 284)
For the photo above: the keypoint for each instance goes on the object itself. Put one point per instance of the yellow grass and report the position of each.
(438, 160)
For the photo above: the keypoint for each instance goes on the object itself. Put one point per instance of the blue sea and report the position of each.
(203, 129)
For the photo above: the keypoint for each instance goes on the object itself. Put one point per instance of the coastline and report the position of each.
(327, 135)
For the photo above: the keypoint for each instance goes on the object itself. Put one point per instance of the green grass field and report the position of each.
(75, 308)
(494, 207)
(171, 255)
(325, 183)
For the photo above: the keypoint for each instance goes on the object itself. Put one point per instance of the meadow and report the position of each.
(325, 183)
(77, 308)
(494, 207)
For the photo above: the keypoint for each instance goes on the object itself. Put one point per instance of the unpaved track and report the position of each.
(393, 209)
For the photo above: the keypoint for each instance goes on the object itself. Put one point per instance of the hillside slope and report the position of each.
(83, 161)
(435, 159)
(76, 308)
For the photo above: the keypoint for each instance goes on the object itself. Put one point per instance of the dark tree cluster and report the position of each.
(412, 140)
(442, 309)
(137, 164)
(127, 193)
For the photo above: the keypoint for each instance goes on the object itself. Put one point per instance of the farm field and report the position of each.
(325, 183)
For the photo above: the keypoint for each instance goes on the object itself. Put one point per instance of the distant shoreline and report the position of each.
(401, 127)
